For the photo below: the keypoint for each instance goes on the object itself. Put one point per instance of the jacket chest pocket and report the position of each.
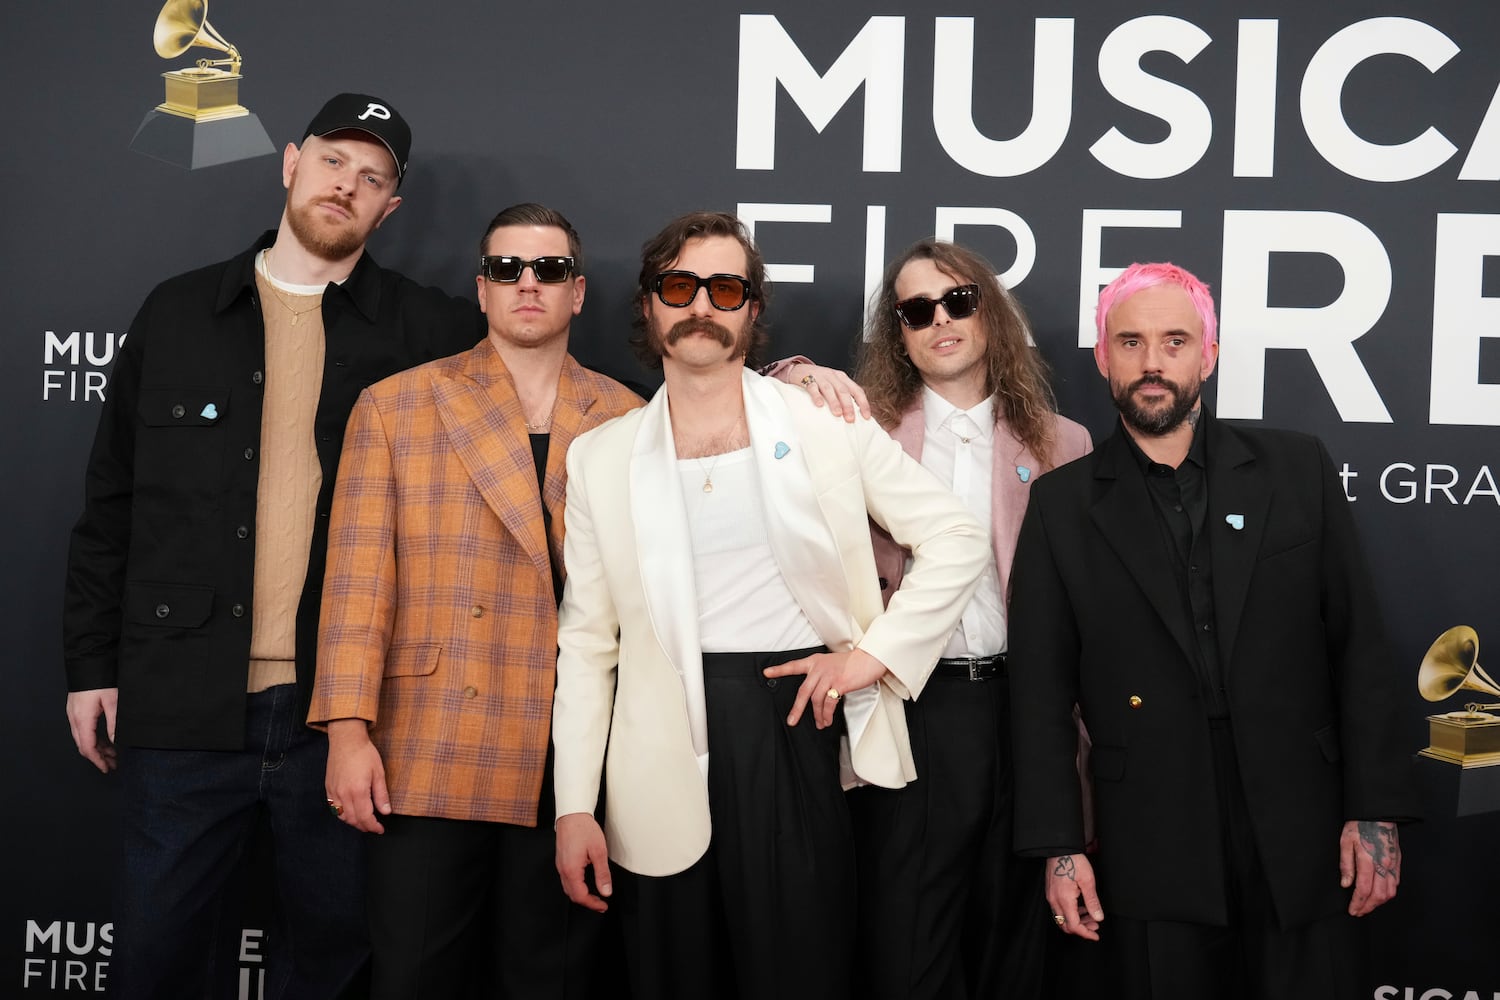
(183, 429)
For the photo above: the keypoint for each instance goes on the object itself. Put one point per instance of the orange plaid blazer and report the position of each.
(439, 625)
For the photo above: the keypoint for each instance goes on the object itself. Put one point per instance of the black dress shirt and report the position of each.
(1180, 498)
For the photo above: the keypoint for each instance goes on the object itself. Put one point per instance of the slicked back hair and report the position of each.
(529, 213)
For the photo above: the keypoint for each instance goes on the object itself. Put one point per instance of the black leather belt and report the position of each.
(971, 668)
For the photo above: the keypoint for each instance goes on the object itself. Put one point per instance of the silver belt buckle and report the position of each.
(974, 668)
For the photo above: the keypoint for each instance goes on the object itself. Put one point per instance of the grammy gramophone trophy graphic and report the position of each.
(1470, 738)
(201, 122)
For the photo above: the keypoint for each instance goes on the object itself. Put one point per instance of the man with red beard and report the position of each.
(721, 627)
(195, 570)
(1199, 592)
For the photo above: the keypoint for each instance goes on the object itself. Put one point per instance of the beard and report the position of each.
(330, 241)
(1162, 418)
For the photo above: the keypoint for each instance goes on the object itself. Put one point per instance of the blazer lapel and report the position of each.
(570, 418)
(796, 528)
(1015, 469)
(1238, 504)
(482, 416)
(1127, 520)
(664, 550)
(801, 534)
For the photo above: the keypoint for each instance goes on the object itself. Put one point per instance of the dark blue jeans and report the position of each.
(189, 816)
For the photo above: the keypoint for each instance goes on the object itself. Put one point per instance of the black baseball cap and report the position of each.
(371, 115)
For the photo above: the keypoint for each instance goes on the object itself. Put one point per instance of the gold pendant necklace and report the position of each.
(265, 269)
(708, 474)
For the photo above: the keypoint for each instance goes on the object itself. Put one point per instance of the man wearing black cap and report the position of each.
(194, 573)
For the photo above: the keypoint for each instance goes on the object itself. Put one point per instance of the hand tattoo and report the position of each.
(1382, 844)
(1065, 868)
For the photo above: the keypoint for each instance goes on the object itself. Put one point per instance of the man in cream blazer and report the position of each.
(717, 542)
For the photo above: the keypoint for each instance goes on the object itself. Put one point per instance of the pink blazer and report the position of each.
(1015, 469)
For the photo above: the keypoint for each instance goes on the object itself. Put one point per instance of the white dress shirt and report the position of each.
(958, 448)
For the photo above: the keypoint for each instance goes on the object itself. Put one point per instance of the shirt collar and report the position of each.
(362, 286)
(938, 413)
(1197, 451)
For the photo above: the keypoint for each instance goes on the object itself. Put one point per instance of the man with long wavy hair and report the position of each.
(951, 373)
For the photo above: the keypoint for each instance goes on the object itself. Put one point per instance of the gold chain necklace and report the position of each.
(708, 474)
(543, 423)
(265, 269)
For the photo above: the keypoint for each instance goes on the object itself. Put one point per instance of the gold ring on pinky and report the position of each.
(1059, 918)
(833, 693)
(335, 808)
(807, 380)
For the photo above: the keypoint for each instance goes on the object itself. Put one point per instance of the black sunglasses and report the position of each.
(678, 289)
(507, 270)
(959, 303)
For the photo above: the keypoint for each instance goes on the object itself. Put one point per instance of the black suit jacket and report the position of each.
(1097, 618)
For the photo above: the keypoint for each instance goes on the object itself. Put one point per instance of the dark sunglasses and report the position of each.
(959, 303)
(678, 289)
(507, 270)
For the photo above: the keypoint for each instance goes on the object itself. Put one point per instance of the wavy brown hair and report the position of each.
(665, 247)
(1017, 374)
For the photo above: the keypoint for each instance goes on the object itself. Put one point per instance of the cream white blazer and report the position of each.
(629, 700)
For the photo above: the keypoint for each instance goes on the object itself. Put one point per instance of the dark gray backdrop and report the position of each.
(622, 115)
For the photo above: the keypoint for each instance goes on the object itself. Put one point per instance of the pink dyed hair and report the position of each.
(1138, 277)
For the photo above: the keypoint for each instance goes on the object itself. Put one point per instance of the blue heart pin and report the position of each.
(210, 412)
(1235, 521)
(782, 449)
(1024, 473)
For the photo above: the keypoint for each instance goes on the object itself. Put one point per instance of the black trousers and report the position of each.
(768, 912)
(946, 911)
(1253, 958)
(461, 910)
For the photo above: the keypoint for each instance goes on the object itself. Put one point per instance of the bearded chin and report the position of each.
(1159, 420)
(320, 238)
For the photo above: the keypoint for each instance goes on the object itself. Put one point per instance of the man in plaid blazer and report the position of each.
(438, 641)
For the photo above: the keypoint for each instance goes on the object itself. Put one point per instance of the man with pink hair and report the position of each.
(1198, 591)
